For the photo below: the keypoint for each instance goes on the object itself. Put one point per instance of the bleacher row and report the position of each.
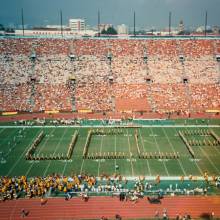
(43, 84)
(119, 47)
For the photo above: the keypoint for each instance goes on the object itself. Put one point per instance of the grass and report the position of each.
(14, 142)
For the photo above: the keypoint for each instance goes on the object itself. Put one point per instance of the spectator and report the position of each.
(118, 217)
(24, 213)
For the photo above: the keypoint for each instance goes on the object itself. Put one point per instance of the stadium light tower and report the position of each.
(98, 23)
(61, 23)
(134, 24)
(22, 20)
(170, 14)
(206, 17)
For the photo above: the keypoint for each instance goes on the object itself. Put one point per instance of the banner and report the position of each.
(212, 111)
(51, 111)
(85, 111)
(9, 113)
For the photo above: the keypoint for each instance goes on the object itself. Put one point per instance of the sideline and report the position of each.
(110, 126)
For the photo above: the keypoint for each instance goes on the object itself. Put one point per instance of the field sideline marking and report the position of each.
(159, 151)
(12, 168)
(171, 144)
(142, 142)
(40, 150)
(129, 145)
(111, 126)
(177, 178)
(57, 146)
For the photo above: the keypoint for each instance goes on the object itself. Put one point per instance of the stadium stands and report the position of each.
(92, 82)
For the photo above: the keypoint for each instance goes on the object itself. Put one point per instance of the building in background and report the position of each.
(216, 29)
(122, 29)
(77, 25)
(181, 28)
(201, 29)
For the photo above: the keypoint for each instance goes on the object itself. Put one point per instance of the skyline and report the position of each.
(148, 13)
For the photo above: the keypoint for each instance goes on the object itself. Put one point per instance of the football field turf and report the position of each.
(158, 142)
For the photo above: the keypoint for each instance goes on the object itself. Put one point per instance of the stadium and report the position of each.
(103, 118)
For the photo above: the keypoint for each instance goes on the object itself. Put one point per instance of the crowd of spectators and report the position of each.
(147, 70)
(13, 188)
(115, 185)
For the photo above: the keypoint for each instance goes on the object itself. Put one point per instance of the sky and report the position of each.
(149, 13)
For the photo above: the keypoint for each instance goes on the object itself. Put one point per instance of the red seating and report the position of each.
(129, 89)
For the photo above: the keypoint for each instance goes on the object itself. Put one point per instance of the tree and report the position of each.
(2, 27)
(9, 30)
(109, 31)
(103, 31)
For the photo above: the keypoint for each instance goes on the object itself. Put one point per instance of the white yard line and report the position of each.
(100, 153)
(115, 151)
(129, 146)
(2, 130)
(57, 146)
(171, 144)
(216, 149)
(82, 163)
(206, 155)
(40, 150)
(22, 155)
(158, 148)
(8, 137)
(82, 166)
(142, 142)
(64, 169)
(196, 163)
(149, 142)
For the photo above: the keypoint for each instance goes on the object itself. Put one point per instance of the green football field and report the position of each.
(151, 140)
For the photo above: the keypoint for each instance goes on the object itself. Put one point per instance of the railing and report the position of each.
(131, 37)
